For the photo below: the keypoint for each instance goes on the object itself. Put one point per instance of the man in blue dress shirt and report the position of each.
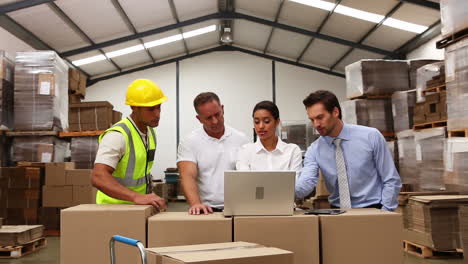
(356, 164)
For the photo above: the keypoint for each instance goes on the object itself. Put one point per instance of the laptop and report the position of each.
(259, 192)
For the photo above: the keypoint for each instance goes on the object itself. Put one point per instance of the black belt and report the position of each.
(376, 206)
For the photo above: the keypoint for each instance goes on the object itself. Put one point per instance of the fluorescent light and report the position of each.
(391, 22)
(147, 45)
(163, 41)
(356, 13)
(128, 50)
(318, 4)
(200, 31)
(89, 60)
(363, 15)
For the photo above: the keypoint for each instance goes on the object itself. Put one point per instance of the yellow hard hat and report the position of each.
(144, 93)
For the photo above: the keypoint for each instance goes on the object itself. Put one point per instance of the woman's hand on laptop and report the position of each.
(200, 208)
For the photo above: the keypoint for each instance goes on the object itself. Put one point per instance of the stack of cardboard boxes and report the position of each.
(40, 104)
(66, 186)
(18, 235)
(89, 116)
(433, 221)
(7, 68)
(76, 85)
(83, 151)
(20, 195)
(463, 219)
(456, 165)
(312, 239)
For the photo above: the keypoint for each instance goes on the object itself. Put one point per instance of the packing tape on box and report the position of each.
(209, 250)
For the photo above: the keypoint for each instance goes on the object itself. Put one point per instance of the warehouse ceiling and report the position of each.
(108, 38)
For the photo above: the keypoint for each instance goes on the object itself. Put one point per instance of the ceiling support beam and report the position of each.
(21, 5)
(78, 30)
(324, 21)
(230, 16)
(424, 3)
(372, 30)
(278, 12)
(218, 48)
(176, 17)
(130, 25)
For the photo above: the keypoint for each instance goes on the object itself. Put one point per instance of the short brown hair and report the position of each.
(327, 98)
(204, 98)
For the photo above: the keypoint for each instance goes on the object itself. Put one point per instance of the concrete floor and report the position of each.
(51, 254)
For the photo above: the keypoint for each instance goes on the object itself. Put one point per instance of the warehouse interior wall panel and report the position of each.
(240, 80)
(287, 44)
(250, 35)
(85, 17)
(301, 16)
(293, 84)
(11, 44)
(428, 51)
(186, 9)
(148, 14)
(323, 53)
(113, 90)
(262, 8)
(49, 27)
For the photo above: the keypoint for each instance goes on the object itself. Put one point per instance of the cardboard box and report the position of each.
(55, 173)
(57, 196)
(179, 228)
(233, 252)
(364, 236)
(15, 177)
(1, 222)
(46, 84)
(90, 116)
(11, 235)
(77, 177)
(298, 233)
(116, 116)
(23, 198)
(84, 195)
(49, 217)
(20, 216)
(87, 229)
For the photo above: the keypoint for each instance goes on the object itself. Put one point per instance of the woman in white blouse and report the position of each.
(269, 153)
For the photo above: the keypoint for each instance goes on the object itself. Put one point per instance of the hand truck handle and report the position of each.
(128, 241)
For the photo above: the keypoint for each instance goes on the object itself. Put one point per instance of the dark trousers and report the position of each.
(217, 209)
(376, 206)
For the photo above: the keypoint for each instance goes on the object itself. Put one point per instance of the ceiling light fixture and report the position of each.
(147, 45)
(226, 37)
(363, 15)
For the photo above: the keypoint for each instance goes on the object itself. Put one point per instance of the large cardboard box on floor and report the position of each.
(364, 236)
(179, 228)
(233, 252)
(298, 233)
(86, 231)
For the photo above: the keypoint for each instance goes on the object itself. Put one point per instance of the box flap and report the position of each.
(202, 247)
(184, 216)
(440, 198)
(224, 254)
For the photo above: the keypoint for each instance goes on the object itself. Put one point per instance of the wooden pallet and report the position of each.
(427, 252)
(434, 124)
(20, 251)
(30, 164)
(452, 38)
(458, 132)
(81, 133)
(435, 89)
(383, 96)
(31, 133)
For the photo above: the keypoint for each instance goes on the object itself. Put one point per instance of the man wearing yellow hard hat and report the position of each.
(122, 170)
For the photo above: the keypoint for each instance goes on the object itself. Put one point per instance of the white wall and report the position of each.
(427, 51)
(12, 44)
(293, 84)
(240, 80)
